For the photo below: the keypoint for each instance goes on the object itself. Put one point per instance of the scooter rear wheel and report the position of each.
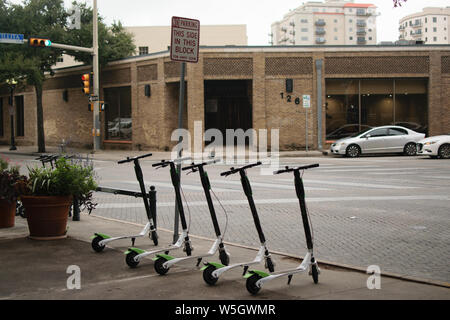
(159, 266)
(95, 244)
(129, 259)
(208, 277)
(251, 284)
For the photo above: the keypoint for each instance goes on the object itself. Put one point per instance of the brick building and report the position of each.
(245, 87)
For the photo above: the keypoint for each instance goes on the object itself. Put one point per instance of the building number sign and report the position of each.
(289, 98)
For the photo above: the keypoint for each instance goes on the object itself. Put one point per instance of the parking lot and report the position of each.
(387, 211)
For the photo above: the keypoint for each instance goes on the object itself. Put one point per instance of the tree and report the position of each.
(398, 3)
(49, 19)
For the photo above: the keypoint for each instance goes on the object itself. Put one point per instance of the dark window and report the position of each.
(118, 113)
(434, 19)
(378, 132)
(1, 117)
(397, 132)
(143, 50)
(20, 123)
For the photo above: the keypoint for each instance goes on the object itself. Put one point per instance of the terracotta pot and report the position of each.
(47, 216)
(7, 213)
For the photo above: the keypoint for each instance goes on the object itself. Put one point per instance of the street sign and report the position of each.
(306, 101)
(93, 98)
(185, 39)
(11, 38)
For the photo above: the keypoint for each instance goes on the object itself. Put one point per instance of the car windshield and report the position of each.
(361, 132)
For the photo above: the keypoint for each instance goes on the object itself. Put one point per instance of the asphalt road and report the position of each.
(390, 211)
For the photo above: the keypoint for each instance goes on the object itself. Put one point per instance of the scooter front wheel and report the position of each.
(224, 257)
(315, 273)
(129, 259)
(251, 284)
(95, 244)
(154, 237)
(208, 277)
(159, 266)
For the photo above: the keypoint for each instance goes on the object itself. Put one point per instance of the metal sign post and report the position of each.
(306, 105)
(185, 37)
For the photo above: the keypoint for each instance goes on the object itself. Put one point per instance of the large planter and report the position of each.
(47, 216)
(7, 213)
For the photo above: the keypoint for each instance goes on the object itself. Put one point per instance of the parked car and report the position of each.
(412, 125)
(346, 130)
(120, 128)
(435, 147)
(384, 139)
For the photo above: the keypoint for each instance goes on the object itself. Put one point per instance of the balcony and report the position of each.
(320, 40)
(417, 24)
(361, 40)
(417, 33)
(362, 12)
(401, 28)
(320, 23)
(320, 31)
(361, 24)
(361, 32)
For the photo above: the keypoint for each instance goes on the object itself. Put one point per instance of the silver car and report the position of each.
(384, 139)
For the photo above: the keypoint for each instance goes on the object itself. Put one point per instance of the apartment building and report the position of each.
(431, 26)
(151, 39)
(333, 22)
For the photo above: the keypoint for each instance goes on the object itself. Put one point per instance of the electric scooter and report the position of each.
(212, 270)
(255, 278)
(135, 255)
(99, 240)
(164, 262)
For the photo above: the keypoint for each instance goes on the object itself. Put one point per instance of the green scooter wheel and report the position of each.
(95, 244)
(208, 277)
(159, 266)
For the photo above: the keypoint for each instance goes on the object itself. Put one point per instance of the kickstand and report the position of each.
(245, 270)
(289, 279)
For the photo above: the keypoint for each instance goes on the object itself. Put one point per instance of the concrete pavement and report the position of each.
(33, 269)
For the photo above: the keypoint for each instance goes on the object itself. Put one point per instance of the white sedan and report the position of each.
(384, 139)
(435, 147)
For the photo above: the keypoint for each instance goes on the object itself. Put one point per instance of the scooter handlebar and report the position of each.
(234, 170)
(194, 165)
(287, 169)
(128, 159)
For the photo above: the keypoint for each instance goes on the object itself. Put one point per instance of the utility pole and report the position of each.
(96, 120)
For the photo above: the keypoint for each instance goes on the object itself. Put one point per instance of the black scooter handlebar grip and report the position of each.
(128, 159)
(163, 163)
(234, 170)
(315, 165)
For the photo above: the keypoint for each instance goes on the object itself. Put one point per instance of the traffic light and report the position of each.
(39, 42)
(86, 83)
(101, 106)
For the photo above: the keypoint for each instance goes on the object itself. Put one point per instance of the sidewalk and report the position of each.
(114, 155)
(33, 269)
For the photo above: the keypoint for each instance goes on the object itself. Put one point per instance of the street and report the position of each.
(392, 212)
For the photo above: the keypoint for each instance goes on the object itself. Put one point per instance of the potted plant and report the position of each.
(48, 193)
(9, 179)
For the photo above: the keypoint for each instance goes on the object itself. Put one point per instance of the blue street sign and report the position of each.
(11, 38)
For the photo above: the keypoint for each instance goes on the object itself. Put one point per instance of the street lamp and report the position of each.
(12, 85)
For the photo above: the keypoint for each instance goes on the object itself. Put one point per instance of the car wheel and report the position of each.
(444, 151)
(410, 149)
(353, 151)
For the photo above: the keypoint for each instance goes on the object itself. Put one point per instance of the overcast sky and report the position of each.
(258, 15)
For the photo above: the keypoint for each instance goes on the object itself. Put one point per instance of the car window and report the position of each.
(397, 132)
(378, 132)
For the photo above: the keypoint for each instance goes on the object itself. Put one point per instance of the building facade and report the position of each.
(431, 26)
(244, 88)
(333, 22)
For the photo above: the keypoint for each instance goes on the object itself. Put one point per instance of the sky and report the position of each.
(258, 15)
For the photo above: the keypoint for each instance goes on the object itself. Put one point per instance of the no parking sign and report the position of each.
(184, 39)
